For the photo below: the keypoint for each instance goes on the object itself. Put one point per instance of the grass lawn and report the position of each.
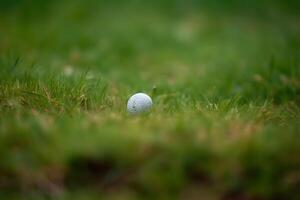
(224, 77)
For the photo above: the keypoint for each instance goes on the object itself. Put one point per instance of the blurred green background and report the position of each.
(225, 81)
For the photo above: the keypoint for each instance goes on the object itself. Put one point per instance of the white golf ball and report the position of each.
(139, 103)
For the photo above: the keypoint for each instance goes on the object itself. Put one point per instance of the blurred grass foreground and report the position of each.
(225, 81)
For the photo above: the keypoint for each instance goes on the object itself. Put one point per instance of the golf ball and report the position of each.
(139, 103)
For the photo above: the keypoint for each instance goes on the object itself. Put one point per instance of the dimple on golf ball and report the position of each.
(139, 103)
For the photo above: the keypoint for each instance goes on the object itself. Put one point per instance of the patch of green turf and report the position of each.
(225, 82)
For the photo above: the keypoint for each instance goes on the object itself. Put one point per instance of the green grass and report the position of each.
(225, 82)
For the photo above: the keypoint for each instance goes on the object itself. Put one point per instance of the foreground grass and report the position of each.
(225, 86)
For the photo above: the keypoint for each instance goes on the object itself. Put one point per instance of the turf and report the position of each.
(225, 82)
